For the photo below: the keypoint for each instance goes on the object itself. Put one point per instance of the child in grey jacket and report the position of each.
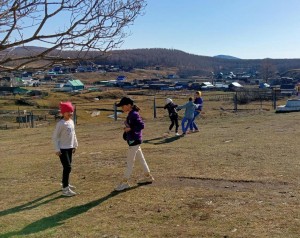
(190, 108)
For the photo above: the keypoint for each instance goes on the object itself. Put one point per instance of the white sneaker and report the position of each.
(146, 179)
(68, 192)
(70, 186)
(122, 186)
(177, 134)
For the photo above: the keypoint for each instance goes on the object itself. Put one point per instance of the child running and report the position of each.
(133, 135)
(199, 102)
(171, 107)
(65, 143)
(188, 115)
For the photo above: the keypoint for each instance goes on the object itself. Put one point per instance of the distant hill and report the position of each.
(190, 64)
(225, 57)
(186, 64)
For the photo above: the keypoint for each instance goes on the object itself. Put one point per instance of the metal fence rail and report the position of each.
(10, 119)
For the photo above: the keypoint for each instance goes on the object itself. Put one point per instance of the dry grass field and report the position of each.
(237, 177)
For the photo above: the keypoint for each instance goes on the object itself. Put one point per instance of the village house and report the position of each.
(70, 86)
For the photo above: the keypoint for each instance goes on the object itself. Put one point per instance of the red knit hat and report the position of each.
(66, 107)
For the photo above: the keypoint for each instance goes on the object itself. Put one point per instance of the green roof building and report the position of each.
(75, 84)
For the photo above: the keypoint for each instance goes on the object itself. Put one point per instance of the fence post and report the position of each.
(75, 116)
(274, 98)
(235, 101)
(115, 112)
(19, 116)
(154, 107)
(31, 119)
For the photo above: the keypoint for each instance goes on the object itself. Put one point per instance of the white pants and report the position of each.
(135, 152)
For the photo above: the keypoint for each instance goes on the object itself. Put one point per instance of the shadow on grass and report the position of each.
(30, 205)
(59, 218)
(162, 140)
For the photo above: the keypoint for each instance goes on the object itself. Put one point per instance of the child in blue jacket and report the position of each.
(190, 108)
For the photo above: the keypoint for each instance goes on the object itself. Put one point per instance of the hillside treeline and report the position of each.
(187, 64)
(190, 64)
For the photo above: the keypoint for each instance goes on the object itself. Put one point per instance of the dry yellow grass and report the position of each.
(237, 177)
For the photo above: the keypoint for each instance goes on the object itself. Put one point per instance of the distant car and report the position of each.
(264, 85)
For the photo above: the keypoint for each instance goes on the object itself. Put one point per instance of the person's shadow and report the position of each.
(162, 140)
(30, 205)
(59, 218)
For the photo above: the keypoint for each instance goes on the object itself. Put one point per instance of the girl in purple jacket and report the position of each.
(199, 101)
(133, 135)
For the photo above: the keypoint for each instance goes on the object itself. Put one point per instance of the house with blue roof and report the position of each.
(121, 78)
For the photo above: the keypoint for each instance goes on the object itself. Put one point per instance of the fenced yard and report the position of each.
(151, 102)
(11, 119)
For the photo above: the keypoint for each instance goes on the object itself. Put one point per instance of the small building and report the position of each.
(221, 86)
(158, 86)
(234, 86)
(5, 81)
(264, 85)
(121, 78)
(207, 86)
(12, 90)
(71, 85)
(172, 76)
(195, 86)
(75, 84)
(287, 89)
(181, 85)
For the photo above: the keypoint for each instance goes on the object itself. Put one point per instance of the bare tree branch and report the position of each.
(56, 27)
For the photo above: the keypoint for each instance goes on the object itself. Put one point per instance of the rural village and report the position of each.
(107, 133)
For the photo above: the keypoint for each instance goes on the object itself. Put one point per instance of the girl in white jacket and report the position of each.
(65, 143)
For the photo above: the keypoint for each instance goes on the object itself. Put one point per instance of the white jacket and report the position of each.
(64, 136)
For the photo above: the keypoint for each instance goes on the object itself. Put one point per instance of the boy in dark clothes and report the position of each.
(171, 107)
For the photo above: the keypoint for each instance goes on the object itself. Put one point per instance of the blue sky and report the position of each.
(248, 29)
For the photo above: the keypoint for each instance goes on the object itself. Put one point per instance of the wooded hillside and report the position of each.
(194, 64)
(187, 64)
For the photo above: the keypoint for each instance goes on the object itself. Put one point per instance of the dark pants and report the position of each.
(174, 121)
(66, 161)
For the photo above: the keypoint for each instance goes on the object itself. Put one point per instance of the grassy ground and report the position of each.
(237, 177)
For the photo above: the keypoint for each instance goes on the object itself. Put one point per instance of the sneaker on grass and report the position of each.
(70, 186)
(68, 192)
(146, 179)
(122, 186)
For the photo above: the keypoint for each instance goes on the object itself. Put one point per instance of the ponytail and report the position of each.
(135, 108)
